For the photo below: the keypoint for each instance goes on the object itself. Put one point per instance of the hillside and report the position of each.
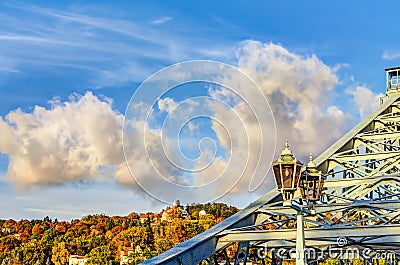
(100, 239)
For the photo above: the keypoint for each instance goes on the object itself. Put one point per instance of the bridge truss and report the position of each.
(359, 210)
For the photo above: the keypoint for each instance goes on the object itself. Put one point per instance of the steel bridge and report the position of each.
(360, 204)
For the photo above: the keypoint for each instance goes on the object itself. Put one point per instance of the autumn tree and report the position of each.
(60, 254)
(136, 236)
(177, 231)
(138, 256)
(101, 255)
(163, 244)
(61, 228)
(29, 254)
(36, 230)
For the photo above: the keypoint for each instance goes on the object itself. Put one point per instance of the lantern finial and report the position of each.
(286, 151)
(311, 164)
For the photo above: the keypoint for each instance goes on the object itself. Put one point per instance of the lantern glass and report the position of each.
(311, 184)
(276, 171)
(287, 173)
(287, 176)
(296, 178)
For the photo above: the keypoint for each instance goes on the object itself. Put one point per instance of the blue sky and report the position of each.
(52, 50)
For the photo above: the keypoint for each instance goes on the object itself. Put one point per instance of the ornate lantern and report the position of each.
(311, 184)
(287, 173)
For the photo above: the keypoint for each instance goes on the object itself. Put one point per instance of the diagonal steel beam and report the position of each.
(311, 234)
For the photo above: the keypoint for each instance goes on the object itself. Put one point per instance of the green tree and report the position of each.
(29, 254)
(163, 244)
(136, 236)
(49, 236)
(101, 255)
(137, 257)
(110, 224)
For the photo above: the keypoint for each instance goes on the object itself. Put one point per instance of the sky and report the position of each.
(87, 126)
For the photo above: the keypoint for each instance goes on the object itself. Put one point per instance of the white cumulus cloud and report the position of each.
(365, 99)
(166, 104)
(71, 141)
(298, 89)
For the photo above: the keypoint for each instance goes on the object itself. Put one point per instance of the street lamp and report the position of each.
(287, 176)
(311, 184)
(287, 172)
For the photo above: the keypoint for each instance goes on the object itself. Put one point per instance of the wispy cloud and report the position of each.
(7, 65)
(387, 55)
(51, 212)
(121, 26)
(8, 70)
(35, 204)
(161, 20)
(125, 49)
(27, 38)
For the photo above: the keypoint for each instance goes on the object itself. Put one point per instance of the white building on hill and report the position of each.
(76, 260)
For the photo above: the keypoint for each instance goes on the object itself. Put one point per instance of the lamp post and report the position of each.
(287, 176)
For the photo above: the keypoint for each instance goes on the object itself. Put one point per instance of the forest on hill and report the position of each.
(100, 239)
